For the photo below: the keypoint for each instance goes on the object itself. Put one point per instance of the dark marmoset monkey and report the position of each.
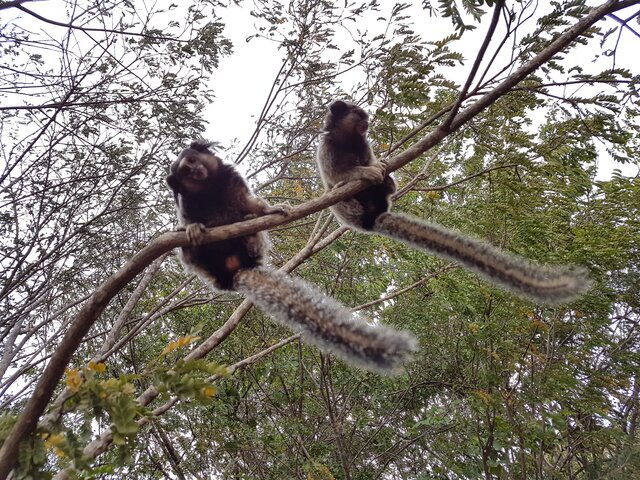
(344, 154)
(210, 193)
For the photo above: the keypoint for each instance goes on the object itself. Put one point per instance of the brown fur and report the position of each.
(209, 193)
(344, 154)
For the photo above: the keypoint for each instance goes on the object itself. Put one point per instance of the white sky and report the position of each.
(243, 79)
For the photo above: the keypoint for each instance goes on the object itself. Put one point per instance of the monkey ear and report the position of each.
(338, 107)
(174, 183)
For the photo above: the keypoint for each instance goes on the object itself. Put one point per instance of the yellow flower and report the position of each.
(180, 342)
(209, 391)
(54, 442)
(170, 348)
(74, 379)
(97, 367)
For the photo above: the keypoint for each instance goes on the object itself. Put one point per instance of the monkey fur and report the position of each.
(210, 193)
(324, 322)
(344, 154)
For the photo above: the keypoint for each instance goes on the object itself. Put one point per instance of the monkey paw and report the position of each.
(383, 168)
(281, 208)
(195, 233)
(374, 173)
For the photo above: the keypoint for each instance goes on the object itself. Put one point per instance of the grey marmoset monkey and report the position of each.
(210, 193)
(344, 154)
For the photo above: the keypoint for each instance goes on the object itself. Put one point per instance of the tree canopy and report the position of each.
(500, 119)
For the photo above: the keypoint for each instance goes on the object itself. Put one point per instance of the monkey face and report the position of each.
(193, 171)
(197, 167)
(346, 118)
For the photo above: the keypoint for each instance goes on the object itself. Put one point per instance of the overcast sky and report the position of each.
(243, 79)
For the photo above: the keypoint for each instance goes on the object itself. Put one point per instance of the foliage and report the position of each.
(113, 401)
(501, 387)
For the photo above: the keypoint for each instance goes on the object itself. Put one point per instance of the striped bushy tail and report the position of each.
(547, 284)
(323, 321)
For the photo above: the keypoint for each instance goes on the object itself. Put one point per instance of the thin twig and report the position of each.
(87, 29)
(476, 64)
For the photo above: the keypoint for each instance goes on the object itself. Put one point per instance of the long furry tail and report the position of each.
(323, 321)
(547, 284)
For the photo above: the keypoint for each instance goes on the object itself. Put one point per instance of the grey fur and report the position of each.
(344, 154)
(324, 322)
(552, 285)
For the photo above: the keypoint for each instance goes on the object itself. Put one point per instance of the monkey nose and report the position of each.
(363, 126)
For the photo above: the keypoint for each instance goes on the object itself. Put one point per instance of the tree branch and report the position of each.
(476, 64)
(95, 103)
(465, 179)
(87, 29)
(14, 3)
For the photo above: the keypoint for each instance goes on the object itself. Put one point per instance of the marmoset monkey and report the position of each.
(344, 154)
(209, 193)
